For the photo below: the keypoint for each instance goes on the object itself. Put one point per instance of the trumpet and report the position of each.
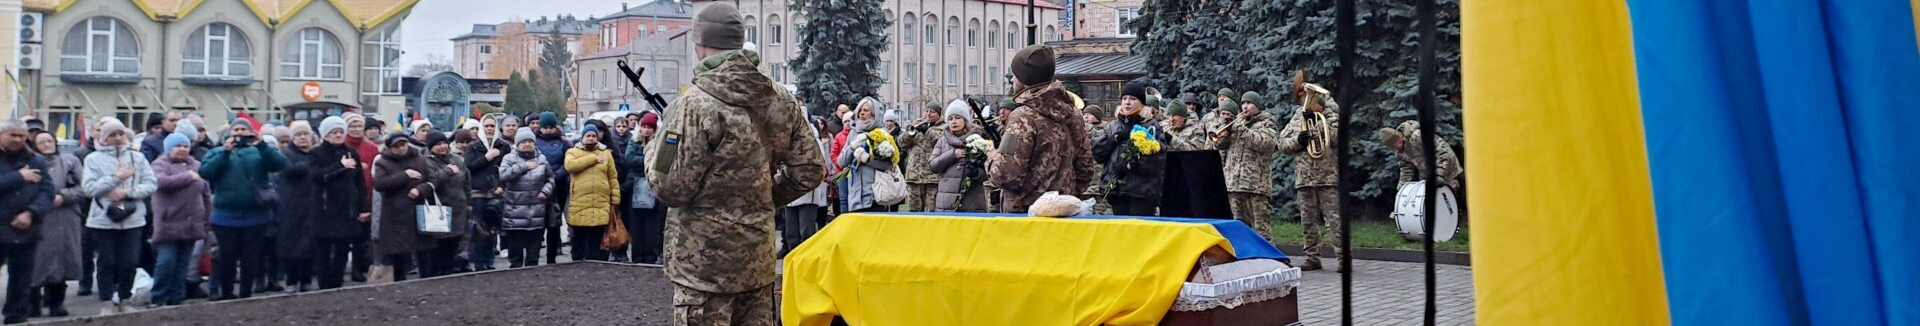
(1220, 131)
(1315, 121)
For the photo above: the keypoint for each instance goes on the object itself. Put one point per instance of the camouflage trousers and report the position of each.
(920, 196)
(1319, 206)
(751, 308)
(1256, 210)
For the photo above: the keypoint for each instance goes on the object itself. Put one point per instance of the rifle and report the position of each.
(659, 104)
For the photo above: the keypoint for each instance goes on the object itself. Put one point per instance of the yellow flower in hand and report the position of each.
(1146, 145)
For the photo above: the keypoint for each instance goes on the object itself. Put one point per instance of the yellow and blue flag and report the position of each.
(1712, 162)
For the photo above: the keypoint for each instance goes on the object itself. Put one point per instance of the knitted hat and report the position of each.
(1008, 103)
(419, 123)
(471, 125)
(931, 105)
(548, 120)
(395, 138)
(1033, 65)
(187, 128)
(462, 136)
(524, 134)
(589, 128)
(1228, 92)
(958, 108)
(175, 139)
(1177, 109)
(1135, 89)
(436, 139)
(509, 120)
(650, 120)
(331, 124)
(719, 27)
(1253, 97)
(1189, 98)
(299, 127)
(1097, 112)
(108, 125)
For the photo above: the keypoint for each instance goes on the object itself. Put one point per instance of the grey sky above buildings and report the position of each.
(433, 22)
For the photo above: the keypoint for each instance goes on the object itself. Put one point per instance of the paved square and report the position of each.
(1387, 293)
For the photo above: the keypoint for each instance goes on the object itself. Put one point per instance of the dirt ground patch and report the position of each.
(565, 294)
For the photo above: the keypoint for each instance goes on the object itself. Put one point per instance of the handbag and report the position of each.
(889, 187)
(616, 235)
(119, 211)
(642, 194)
(435, 219)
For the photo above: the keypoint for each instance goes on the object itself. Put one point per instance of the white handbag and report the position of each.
(435, 219)
(889, 187)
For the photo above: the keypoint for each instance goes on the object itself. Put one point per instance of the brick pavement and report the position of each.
(1387, 293)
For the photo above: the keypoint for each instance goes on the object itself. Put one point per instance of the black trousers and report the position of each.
(330, 257)
(401, 264)
(586, 243)
(647, 227)
(799, 222)
(1134, 206)
(19, 260)
(440, 260)
(523, 247)
(241, 248)
(119, 254)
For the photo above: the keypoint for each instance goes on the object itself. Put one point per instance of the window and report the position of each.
(753, 30)
(909, 71)
(486, 49)
(993, 34)
(993, 74)
(777, 68)
(312, 53)
(906, 29)
(953, 28)
(973, 33)
(886, 70)
(217, 50)
(973, 75)
(100, 45)
(953, 75)
(657, 29)
(1124, 17)
(483, 67)
(1013, 36)
(380, 62)
(1051, 36)
(933, 74)
(773, 30)
(930, 21)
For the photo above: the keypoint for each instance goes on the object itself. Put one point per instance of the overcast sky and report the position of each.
(434, 21)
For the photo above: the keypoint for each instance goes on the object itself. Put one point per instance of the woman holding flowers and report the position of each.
(869, 151)
(960, 159)
(1135, 162)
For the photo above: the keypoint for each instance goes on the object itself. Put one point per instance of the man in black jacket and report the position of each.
(27, 196)
(483, 156)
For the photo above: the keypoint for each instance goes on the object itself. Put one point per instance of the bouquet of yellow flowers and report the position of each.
(1141, 142)
(880, 143)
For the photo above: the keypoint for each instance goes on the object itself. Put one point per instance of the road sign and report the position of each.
(625, 107)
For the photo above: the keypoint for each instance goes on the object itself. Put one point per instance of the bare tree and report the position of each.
(433, 63)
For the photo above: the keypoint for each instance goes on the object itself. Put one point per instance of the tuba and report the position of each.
(1310, 95)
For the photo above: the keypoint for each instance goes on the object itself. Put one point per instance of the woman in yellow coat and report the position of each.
(595, 190)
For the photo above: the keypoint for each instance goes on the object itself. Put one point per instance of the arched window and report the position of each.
(907, 22)
(1051, 35)
(773, 30)
(932, 23)
(953, 31)
(100, 45)
(312, 53)
(217, 50)
(993, 34)
(973, 32)
(380, 62)
(1013, 36)
(753, 29)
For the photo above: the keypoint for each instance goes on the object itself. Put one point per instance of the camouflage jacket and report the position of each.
(731, 151)
(1412, 162)
(1043, 148)
(919, 146)
(1093, 188)
(1249, 149)
(1189, 138)
(1307, 170)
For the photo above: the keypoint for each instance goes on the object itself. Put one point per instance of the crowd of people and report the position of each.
(261, 207)
(269, 206)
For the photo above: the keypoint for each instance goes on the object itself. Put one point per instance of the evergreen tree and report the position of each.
(554, 59)
(840, 52)
(521, 97)
(1186, 49)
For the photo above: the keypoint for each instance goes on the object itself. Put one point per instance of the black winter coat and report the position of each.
(341, 193)
(17, 195)
(293, 220)
(1138, 180)
(398, 232)
(485, 173)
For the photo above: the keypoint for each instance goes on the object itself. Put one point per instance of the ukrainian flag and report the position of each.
(1694, 162)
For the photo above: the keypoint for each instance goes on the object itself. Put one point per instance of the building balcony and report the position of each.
(217, 81)
(99, 78)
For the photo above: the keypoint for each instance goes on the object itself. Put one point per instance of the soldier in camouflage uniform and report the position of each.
(1098, 119)
(731, 151)
(1182, 134)
(918, 141)
(1405, 142)
(1249, 146)
(1315, 179)
(1044, 146)
(1224, 107)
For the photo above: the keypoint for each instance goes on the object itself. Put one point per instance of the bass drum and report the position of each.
(1407, 211)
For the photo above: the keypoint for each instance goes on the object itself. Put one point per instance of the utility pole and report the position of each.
(1033, 24)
